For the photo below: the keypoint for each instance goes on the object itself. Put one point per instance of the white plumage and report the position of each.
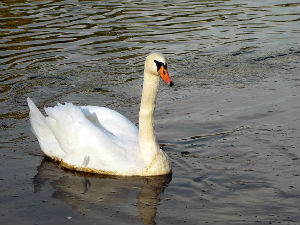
(101, 140)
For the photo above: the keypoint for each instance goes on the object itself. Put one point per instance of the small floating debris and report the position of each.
(185, 153)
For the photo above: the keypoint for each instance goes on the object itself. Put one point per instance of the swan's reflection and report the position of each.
(83, 190)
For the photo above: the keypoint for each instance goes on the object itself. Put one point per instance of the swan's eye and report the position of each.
(158, 64)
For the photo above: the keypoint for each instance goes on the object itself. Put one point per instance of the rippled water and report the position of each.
(230, 124)
(39, 33)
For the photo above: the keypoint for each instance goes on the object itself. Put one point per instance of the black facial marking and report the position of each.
(158, 64)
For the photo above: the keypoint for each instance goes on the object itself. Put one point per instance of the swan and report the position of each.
(100, 140)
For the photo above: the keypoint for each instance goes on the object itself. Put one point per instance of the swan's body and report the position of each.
(100, 140)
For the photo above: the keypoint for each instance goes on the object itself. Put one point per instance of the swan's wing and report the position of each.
(112, 121)
(88, 144)
(69, 135)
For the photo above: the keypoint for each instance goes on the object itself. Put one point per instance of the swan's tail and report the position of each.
(42, 131)
(37, 120)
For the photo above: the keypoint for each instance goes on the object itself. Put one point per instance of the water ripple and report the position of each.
(43, 32)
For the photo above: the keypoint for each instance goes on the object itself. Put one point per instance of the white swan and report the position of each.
(99, 140)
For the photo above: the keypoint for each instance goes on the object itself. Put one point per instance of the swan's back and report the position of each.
(111, 121)
(88, 137)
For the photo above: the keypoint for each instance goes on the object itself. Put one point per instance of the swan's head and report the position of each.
(156, 65)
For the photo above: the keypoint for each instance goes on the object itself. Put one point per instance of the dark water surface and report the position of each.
(230, 125)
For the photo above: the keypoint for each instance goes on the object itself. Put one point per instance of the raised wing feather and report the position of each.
(114, 122)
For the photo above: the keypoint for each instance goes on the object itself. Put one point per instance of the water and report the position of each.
(230, 124)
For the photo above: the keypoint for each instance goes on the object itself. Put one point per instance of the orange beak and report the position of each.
(163, 73)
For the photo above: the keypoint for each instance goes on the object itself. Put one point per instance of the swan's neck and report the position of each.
(147, 140)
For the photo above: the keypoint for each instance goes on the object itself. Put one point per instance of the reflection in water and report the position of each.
(81, 190)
